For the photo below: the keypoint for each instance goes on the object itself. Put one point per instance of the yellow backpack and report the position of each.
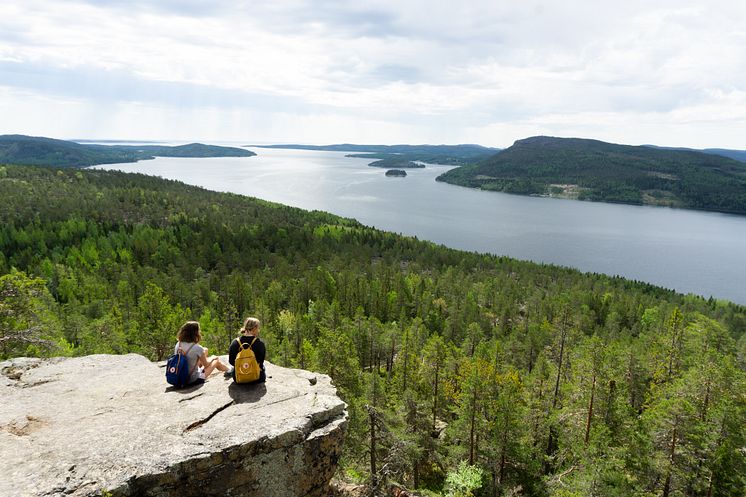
(247, 369)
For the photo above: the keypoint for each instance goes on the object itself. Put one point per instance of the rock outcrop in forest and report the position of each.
(108, 425)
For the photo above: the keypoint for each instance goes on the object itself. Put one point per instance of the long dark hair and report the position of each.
(190, 332)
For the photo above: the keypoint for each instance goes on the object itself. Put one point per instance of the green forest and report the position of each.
(606, 172)
(40, 151)
(396, 162)
(466, 374)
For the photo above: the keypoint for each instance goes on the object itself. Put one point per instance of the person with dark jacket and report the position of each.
(249, 331)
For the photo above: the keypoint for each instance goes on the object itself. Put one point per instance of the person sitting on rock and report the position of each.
(249, 334)
(200, 366)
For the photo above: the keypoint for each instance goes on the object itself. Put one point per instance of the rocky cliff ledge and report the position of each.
(107, 425)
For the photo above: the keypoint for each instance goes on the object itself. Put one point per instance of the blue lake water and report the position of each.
(690, 251)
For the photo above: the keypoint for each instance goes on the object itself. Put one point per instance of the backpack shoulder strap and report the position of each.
(243, 346)
(180, 350)
(191, 370)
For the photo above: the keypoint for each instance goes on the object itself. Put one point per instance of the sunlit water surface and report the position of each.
(690, 251)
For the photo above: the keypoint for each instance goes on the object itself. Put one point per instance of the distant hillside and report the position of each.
(39, 151)
(739, 155)
(432, 154)
(189, 150)
(599, 171)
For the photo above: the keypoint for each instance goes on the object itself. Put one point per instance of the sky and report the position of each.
(490, 72)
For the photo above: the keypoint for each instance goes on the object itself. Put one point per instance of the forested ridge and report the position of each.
(739, 155)
(465, 374)
(606, 172)
(432, 154)
(40, 151)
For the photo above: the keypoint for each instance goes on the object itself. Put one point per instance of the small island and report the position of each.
(396, 173)
(397, 162)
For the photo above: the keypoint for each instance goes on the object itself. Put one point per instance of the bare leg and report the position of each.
(213, 364)
(221, 367)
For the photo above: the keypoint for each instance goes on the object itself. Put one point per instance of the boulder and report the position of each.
(110, 425)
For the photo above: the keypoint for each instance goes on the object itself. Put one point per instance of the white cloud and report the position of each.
(384, 71)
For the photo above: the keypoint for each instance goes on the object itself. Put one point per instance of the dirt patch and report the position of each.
(17, 367)
(13, 373)
(24, 427)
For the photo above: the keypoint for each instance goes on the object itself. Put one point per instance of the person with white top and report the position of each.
(200, 365)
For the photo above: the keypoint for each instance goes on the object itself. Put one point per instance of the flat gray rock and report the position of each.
(109, 425)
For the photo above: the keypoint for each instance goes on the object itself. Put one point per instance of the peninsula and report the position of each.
(40, 151)
(594, 170)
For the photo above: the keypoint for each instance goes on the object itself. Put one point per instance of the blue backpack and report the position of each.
(177, 368)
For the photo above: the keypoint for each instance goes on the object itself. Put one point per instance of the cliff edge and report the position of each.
(108, 425)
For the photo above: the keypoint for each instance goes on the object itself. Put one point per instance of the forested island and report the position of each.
(594, 170)
(463, 372)
(395, 162)
(431, 154)
(397, 173)
(40, 151)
